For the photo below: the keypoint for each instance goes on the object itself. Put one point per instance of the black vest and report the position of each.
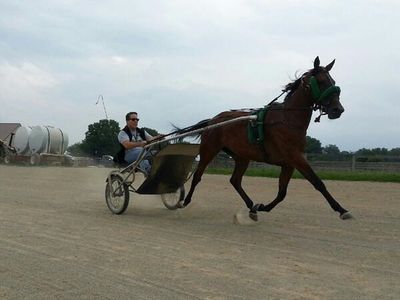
(119, 157)
(129, 133)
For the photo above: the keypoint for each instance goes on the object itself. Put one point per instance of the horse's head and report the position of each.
(324, 92)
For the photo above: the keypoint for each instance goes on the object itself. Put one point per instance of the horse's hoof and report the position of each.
(253, 216)
(346, 215)
(181, 204)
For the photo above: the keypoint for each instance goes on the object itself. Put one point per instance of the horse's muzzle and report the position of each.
(335, 113)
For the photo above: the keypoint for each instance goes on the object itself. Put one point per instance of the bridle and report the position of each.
(321, 99)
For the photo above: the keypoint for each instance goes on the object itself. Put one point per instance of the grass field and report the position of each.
(324, 175)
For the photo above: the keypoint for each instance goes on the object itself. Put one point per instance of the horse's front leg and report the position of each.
(236, 180)
(284, 178)
(305, 169)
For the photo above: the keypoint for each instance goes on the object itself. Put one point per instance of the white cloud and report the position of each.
(24, 84)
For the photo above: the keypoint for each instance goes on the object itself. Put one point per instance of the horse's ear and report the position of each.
(316, 62)
(329, 67)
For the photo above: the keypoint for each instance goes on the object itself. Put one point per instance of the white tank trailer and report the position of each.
(47, 139)
(39, 144)
(20, 140)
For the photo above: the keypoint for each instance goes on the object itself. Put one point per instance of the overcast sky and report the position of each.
(184, 61)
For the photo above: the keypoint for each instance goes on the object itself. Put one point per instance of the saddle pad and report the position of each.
(255, 129)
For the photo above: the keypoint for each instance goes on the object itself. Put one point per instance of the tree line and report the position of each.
(101, 139)
(315, 151)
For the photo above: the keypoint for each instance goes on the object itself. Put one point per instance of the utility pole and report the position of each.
(104, 106)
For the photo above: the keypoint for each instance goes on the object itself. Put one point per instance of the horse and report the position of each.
(285, 126)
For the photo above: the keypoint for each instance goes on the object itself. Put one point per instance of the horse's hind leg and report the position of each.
(205, 159)
(284, 178)
(304, 168)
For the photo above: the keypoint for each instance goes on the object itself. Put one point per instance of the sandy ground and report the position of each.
(58, 240)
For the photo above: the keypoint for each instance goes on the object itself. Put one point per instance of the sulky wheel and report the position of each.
(118, 200)
(171, 200)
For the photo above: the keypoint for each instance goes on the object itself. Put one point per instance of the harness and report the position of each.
(255, 129)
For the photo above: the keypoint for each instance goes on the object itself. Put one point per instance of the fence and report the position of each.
(348, 165)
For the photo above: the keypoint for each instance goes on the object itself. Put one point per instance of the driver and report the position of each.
(132, 140)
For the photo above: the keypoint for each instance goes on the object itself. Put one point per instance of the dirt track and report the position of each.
(58, 240)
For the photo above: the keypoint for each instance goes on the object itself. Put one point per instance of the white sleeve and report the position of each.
(122, 137)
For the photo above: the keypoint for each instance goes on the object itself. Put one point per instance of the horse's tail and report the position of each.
(194, 127)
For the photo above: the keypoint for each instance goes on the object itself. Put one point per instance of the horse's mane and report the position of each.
(291, 87)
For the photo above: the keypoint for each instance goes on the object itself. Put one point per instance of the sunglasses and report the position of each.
(134, 119)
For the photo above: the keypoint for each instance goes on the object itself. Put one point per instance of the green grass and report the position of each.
(324, 175)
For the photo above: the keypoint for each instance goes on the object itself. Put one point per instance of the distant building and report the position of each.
(6, 130)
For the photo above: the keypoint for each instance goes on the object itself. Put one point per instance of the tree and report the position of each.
(76, 149)
(395, 151)
(313, 145)
(374, 151)
(101, 138)
(364, 151)
(331, 150)
(380, 151)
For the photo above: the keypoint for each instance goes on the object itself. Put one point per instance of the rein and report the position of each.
(276, 98)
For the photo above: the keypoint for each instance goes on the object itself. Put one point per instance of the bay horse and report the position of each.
(285, 127)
